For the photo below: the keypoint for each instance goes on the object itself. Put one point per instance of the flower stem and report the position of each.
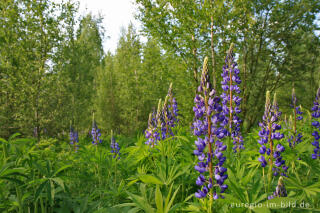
(210, 146)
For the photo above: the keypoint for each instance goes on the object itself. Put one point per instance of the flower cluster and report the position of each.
(295, 138)
(206, 127)
(96, 134)
(280, 190)
(74, 139)
(315, 123)
(268, 135)
(231, 101)
(115, 148)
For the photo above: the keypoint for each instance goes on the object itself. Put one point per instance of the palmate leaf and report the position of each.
(168, 174)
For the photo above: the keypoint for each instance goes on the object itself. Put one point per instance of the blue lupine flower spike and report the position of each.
(74, 139)
(209, 147)
(315, 122)
(115, 148)
(271, 150)
(295, 138)
(231, 100)
(96, 134)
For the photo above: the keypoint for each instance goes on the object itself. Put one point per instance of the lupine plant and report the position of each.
(316, 124)
(270, 150)
(230, 99)
(206, 126)
(96, 134)
(296, 137)
(115, 148)
(74, 139)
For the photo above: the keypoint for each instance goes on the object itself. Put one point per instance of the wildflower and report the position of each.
(209, 148)
(160, 124)
(295, 138)
(231, 101)
(74, 139)
(315, 123)
(269, 135)
(96, 134)
(172, 108)
(115, 148)
(152, 132)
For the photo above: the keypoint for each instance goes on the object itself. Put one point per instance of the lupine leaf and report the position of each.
(150, 179)
(159, 200)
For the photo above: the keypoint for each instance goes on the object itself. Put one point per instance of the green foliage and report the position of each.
(276, 41)
(54, 72)
(48, 176)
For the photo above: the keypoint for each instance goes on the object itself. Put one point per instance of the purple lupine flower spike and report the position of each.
(295, 138)
(316, 124)
(270, 150)
(74, 139)
(172, 109)
(160, 124)
(96, 134)
(231, 101)
(115, 148)
(155, 124)
(209, 147)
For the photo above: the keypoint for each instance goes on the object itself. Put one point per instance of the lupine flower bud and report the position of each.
(280, 190)
(158, 117)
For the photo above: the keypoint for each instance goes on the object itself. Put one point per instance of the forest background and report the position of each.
(54, 71)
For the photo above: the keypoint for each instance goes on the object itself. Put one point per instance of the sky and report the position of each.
(116, 13)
